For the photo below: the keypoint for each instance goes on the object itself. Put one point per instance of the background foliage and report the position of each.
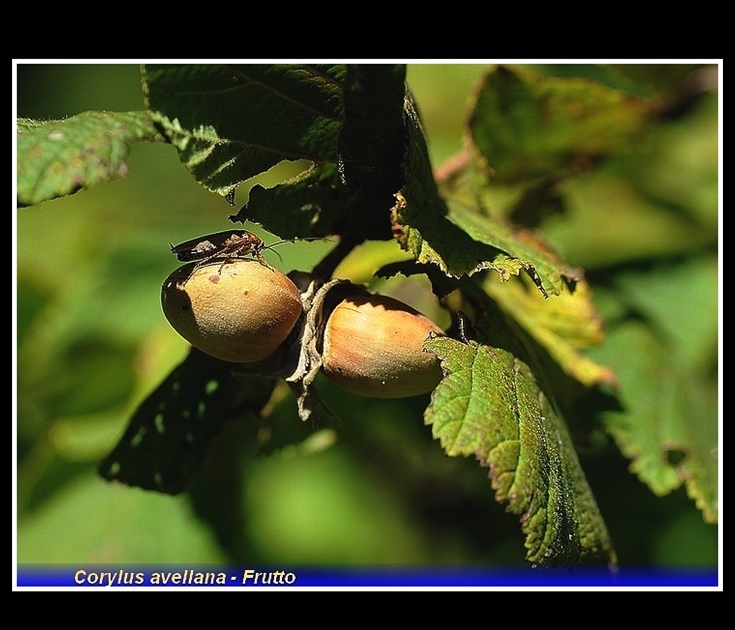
(92, 344)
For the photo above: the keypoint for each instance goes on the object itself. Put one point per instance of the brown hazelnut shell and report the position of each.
(237, 310)
(373, 347)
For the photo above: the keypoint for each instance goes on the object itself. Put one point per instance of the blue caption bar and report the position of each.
(246, 577)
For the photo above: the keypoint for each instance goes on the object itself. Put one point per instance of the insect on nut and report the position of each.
(230, 243)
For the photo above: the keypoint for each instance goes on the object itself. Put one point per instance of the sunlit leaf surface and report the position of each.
(60, 157)
(490, 406)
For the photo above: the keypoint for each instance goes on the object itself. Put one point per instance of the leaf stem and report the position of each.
(326, 266)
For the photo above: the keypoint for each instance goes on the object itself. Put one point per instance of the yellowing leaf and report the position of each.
(564, 324)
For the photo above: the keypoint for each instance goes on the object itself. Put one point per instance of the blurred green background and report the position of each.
(92, 343)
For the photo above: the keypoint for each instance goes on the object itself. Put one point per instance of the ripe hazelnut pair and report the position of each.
(243, 311)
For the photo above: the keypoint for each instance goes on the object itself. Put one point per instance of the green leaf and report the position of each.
(523, 250)
(352, 195)
(526, 126)
(307, 205)
(230, 123)
(665, 354)
(681, 301)
(419, 216)
(611, 223)
(372, 144)
(669, 430)
(489, 405)
(464, 240)
(665, 79)
(171, 432)
(60, 157)
(680, 164)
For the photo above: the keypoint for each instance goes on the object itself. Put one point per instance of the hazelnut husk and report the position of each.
(373, 346)
(238, 309)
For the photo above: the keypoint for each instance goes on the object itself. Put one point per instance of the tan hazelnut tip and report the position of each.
(236, 310)
(373, 346)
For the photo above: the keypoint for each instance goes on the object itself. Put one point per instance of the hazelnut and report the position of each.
(373, 346)
(236, 310)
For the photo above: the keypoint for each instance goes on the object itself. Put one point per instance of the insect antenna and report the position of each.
(271, 246)
(290, 240)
